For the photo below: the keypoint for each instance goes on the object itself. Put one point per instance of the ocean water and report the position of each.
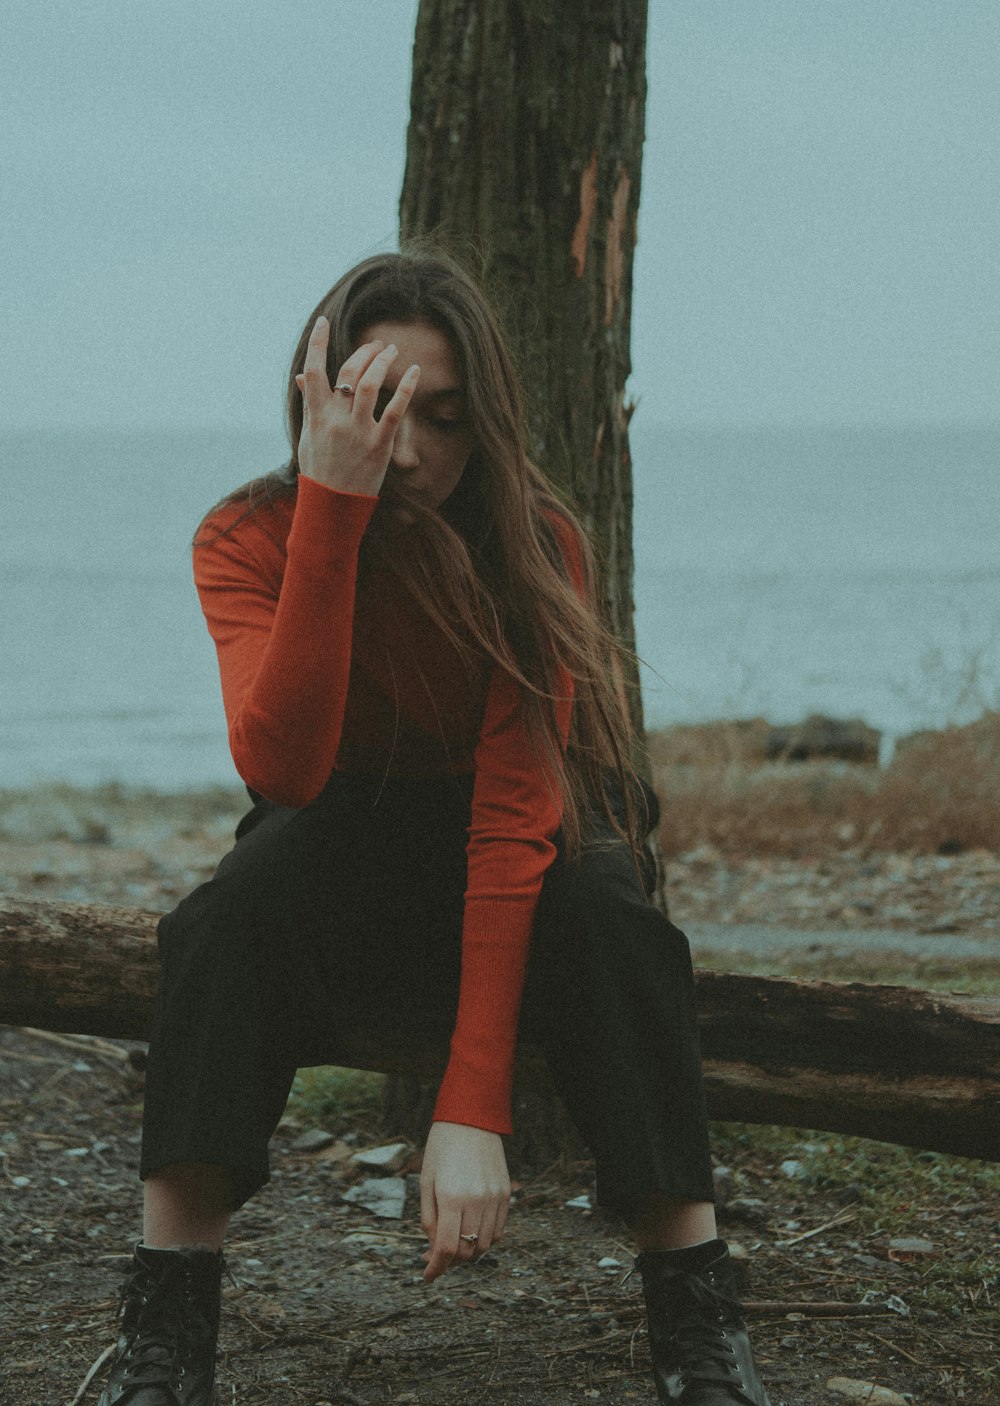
(782, 571)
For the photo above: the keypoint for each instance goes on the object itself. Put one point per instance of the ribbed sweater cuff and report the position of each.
(328, 524)
(476, 1088)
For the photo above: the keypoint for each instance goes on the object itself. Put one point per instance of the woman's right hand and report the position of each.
(342, 444)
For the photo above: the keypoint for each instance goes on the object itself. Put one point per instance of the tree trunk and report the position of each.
(913, 1067)
(525, 145)
(524, 156)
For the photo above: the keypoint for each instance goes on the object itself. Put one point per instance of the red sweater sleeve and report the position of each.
(284, 646)
(515, 815)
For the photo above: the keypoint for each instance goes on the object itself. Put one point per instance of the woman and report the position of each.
(423, 704)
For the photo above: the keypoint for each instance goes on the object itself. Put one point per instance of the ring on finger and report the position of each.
(345, 388)
(470, 1239)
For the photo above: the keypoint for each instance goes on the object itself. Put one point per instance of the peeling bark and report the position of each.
(588, 204)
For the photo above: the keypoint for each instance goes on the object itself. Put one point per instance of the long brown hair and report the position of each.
(487, 567)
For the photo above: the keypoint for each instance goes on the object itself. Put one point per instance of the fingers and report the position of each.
(446, 1233)
(428, 1210)
(396, 409)
(359, 361)
(369, 385)
(314, 382)
(447, 1246)
(464, 1191)
(364, 370)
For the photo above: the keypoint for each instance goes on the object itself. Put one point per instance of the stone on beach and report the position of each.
(868, 1393)
(391, 1157)
(383, 1196)
(312, 1141)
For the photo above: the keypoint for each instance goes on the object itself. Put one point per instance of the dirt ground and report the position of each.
(855, 1268)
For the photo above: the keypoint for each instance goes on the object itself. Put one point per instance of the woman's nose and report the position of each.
(404, 446)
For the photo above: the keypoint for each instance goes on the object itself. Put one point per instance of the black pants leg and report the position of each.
(609, 998)
(354, 905)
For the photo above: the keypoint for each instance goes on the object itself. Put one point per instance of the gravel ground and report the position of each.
(863, 1263)
(935, 894)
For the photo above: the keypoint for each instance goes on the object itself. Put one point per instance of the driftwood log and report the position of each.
(912, 1067)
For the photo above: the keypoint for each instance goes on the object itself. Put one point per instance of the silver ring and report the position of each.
(344, 388)
(471, 1239)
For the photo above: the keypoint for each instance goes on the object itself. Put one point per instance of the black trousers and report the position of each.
(353, 904)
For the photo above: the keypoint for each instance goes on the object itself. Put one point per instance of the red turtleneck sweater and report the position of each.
(318, 675)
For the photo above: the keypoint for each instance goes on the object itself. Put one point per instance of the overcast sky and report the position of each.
(818, 232)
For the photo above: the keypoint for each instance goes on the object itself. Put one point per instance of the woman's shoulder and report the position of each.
(250, 526)
(261, 511)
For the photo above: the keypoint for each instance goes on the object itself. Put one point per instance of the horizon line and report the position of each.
(672, 423)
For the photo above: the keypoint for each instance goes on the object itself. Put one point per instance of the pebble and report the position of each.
(750, 1209)
(866, 1392)
(390, 1158)
(905, 1245)
(722, 1181)
(312, 1141)
(383, 1196)
(608, 1263)
(893, 1303)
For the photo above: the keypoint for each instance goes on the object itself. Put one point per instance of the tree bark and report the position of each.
(917, 1068)
(525, 146)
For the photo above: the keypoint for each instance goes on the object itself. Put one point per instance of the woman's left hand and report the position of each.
(464, 1190)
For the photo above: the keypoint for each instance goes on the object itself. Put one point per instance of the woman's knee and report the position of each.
(595, 909)
(600, 882)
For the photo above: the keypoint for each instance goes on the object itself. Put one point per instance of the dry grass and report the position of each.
(941, 793)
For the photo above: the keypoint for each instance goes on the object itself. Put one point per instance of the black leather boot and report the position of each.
(700, 1349)
(169, 1308)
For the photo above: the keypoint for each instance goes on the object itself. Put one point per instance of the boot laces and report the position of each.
(169, 1327)
(698, 1335)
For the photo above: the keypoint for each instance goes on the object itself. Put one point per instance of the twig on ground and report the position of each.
(841, 1218)
(81, 1044)
(896, 1348)
(91, 1374)
(815, 1310)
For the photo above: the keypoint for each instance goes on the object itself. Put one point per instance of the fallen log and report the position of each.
(919, 1068)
